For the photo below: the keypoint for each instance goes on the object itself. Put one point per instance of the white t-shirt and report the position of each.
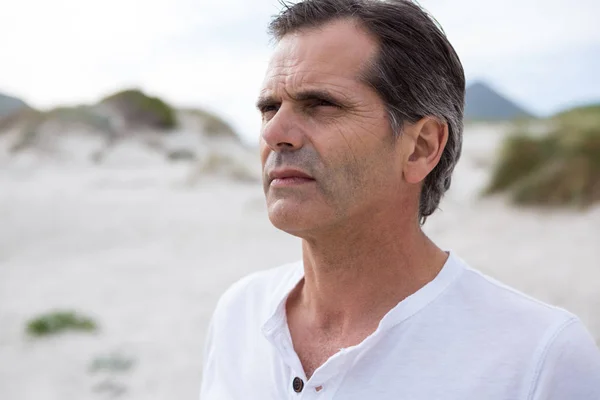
(463, 336)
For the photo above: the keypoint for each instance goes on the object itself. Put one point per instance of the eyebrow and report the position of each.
(305, 95)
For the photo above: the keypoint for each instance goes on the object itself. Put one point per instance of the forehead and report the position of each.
(332, 56)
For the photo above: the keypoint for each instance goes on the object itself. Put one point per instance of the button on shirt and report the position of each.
(462, 336)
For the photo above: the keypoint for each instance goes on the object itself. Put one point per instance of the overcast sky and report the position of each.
(544, 54)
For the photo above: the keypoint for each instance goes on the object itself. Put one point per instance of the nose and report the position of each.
(284, 131)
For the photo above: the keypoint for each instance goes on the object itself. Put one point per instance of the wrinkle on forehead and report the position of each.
(331, 57)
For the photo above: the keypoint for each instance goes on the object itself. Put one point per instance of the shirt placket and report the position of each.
(324, 382)
(311, 390)
(330, 376)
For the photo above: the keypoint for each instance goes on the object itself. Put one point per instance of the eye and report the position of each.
(269, 107)
(322, 103)
(268, 111)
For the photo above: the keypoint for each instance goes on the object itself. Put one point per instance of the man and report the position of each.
(362, 109)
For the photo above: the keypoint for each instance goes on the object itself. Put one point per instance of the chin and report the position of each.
(292, 218)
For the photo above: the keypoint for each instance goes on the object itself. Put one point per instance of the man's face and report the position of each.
(329, 156)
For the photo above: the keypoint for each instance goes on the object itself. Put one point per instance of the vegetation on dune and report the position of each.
(140, 109)
(114, 362)
(110, 372)
(58, 322)
(182, 155)
(559, 168)
(229, 165)
(30, 122)
(113, 117)
(584, 114)
(213, 125)
(94, 132)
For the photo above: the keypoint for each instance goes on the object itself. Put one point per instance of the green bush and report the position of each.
(520, 155)
(559, 168)
(59, 321)
(139, 108)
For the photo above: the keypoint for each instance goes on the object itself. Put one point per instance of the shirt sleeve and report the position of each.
(569, 369)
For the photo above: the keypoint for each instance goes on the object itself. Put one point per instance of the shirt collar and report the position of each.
(401, 312)
(277, 313)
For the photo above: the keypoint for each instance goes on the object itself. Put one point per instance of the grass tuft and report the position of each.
(560, 168)
(56, 322)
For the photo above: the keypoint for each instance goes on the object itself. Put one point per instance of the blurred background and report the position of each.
(130, 194)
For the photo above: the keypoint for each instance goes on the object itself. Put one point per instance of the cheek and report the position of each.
(366, 169)
(356, 156)
(344, 171)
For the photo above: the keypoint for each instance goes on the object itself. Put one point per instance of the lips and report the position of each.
(289, 175)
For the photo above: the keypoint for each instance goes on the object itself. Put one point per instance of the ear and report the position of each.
(428, 138)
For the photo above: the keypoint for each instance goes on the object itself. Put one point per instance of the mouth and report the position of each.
(288, 178)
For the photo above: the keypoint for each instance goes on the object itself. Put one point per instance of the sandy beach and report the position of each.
(147, 256)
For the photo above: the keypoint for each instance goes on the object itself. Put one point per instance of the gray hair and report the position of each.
(417, 72)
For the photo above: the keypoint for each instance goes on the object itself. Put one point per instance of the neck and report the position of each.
(354, 277)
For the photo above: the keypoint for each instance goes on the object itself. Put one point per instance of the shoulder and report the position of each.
(507, 320)
(560, 357)
(567, 365)
(499, 303)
